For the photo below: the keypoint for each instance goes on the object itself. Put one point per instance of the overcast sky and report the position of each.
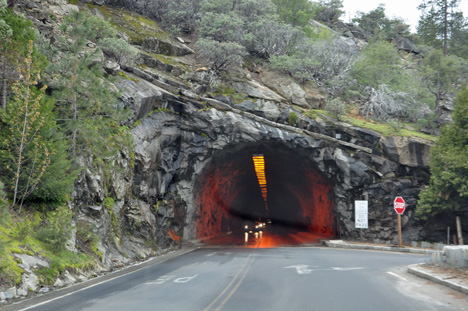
(406, 9)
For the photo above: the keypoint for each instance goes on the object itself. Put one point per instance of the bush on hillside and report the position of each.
(220, 55)
(57, 231)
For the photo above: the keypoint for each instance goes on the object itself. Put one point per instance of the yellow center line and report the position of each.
(246, 267)
(235, 287)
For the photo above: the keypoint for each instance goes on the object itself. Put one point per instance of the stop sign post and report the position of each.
(399, 206)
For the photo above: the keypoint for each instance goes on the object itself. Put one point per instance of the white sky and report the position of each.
(405, 9)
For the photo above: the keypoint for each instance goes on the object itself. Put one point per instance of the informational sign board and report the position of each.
(361, 214)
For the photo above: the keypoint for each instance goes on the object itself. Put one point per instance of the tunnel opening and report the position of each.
(299, 198)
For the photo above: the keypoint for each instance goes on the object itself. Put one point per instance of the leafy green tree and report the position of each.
(379, 64)
(222, 27)
(373, 21)
(254, 24)
(440, 74)
(376, 23)
(428, 31)
(26, 153)
(459, 35)
(4, 215)
(326, 62)
(57, 182)
(336, 107)
(57, 229)
(87, 102)
(220, 55)
(15, 33)
(329, 11)
(268, 37)
(182, 16)
(448, 186)
(297, 13)
(119, 50)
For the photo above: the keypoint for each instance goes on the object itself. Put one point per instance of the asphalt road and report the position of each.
(283, 278)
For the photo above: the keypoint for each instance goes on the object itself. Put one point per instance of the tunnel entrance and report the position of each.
(228, 195)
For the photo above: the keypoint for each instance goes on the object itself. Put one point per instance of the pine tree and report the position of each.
(87, 101)
(435, 21)
(448, 185)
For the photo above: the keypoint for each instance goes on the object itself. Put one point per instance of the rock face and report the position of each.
(182, 139)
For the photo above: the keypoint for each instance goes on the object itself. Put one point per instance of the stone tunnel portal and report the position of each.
(228, 194)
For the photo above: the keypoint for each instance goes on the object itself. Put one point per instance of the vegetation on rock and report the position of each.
(448, 185)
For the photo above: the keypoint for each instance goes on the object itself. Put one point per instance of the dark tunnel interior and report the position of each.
(228, 194)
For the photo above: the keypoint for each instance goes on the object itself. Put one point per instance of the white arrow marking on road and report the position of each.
(185, 280)
(346, 269)
(301, 269)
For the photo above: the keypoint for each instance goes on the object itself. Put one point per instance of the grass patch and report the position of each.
(385, 129)
(135, 26)
(13, 240)
(388, 130)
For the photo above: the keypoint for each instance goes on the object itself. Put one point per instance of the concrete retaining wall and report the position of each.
(452, 256)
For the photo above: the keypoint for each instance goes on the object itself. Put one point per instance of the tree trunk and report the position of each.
(459, 231)
(23, 142)
(438, 95)
(4, 84)
(74, 108)
(445, 28)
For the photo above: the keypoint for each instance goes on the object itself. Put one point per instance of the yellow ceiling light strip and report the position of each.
(259, 164)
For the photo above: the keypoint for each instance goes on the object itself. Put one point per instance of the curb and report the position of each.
(39, 299)
(413, 269)
(341, 244)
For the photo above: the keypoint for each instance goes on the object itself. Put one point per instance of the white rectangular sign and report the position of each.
(361, 212)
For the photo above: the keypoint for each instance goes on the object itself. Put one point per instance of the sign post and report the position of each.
(399, 206)
(361, 216)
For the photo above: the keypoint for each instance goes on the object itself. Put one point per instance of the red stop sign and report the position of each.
(399, 205)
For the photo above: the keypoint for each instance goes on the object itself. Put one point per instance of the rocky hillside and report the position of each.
(188, 125)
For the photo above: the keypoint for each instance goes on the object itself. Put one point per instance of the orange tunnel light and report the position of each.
(259, 164)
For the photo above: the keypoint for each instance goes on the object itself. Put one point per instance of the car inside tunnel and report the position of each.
(299, 199)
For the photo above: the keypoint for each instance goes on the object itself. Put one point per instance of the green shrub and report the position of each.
(220, 55)
(119, 50)
(23, 229)
(292, 119)
(4, 215)
(57, 232)
(336, 108)
(47, 275)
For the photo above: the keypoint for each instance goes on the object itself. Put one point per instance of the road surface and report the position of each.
(282, 278)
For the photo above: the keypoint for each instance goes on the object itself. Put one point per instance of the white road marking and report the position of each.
(397, 276)
(347, 269)
(96, 284)
(300, 269)
(185, 279)
(161, 280)
(304, 269)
